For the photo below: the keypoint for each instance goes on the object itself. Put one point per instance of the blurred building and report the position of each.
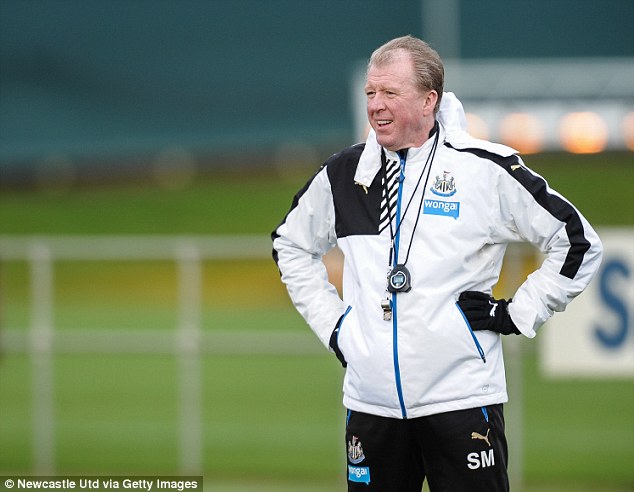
(101, 89)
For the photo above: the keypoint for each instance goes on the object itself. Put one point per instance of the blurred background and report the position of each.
(148, 149)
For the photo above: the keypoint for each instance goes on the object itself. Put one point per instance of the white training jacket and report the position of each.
(474, 199)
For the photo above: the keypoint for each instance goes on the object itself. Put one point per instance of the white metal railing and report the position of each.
(188, 342)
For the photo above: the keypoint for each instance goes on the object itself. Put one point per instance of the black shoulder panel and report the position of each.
(357, 208)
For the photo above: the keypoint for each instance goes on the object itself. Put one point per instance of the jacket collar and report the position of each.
(450, 118)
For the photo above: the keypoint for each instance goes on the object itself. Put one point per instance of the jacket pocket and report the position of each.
(334, 338)
(476, 342)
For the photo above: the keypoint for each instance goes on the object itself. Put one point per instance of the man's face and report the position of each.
(399, 113)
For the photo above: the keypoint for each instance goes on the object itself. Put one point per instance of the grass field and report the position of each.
(272, 419)
(271, 422)
(255, 202)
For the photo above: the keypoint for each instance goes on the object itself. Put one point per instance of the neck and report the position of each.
(403, 152)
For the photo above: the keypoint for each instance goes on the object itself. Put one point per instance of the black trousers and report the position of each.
(456, 451)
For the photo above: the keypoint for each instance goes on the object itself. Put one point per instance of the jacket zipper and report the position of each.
(397, 369)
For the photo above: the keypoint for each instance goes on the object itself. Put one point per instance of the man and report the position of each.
(423, 213)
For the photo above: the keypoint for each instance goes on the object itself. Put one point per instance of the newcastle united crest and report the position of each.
(445, 186)
(355, 451)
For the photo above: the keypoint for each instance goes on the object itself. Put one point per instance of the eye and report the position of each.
(369, 93)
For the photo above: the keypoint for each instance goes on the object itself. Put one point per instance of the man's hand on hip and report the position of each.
(483, 312)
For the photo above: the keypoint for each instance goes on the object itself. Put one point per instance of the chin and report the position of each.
(391, 147)
(385, 142)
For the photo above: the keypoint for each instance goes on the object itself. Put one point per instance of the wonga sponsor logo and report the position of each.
(359, 474)
(441, 207)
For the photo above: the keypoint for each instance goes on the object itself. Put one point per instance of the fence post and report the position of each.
(40, 348)
(189, 359)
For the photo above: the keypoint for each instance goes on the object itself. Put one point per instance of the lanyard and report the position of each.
(394, 231)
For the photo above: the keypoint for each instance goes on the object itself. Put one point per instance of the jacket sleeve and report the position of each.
(299, 243)
(532, 211)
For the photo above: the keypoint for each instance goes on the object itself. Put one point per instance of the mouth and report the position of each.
(383, 123)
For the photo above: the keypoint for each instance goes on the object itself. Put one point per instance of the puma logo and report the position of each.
(492, 312)
(515, 167)
(365, 188)
(476, 435)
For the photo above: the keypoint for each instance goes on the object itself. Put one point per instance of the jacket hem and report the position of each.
(424, 410)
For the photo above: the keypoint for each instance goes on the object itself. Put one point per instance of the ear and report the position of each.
(431, 98)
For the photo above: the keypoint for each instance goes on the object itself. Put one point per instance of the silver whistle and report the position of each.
(386, 305)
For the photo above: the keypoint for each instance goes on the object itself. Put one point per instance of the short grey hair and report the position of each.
(428, 66)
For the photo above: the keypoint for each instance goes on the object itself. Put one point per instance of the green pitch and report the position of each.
(254, 202)
(270, 422)
(278, 419)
